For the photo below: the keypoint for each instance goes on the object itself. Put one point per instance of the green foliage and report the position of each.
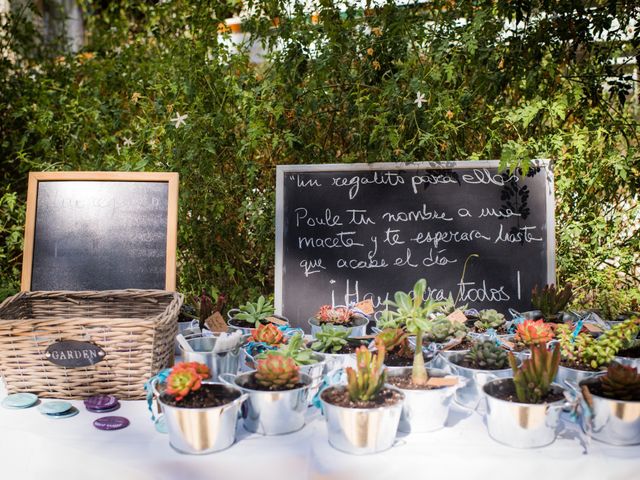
(596, 352)
(550, 300)
(450, 306)
(441, 330)
(255, 312)
(330, 339)
(295, 349)
(533, 378)
(342, 90)
(367, 380)
(489, 318)
(487, 356)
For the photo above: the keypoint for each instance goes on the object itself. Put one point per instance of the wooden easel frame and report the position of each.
(171, 179)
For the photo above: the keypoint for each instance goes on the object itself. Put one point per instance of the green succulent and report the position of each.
(533, 378)
(441, 330)
(330, 339)
(449, 306)
(255, 313)
(489, 319)
(550, 300)
(295, 349)
(487, 355)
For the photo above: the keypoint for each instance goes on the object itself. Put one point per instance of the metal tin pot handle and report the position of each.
(228, 378)
(232, 313)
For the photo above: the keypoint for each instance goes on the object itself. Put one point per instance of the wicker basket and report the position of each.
(134, 328)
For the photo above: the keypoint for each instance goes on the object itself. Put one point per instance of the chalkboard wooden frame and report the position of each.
(171, 178)
(283, 170)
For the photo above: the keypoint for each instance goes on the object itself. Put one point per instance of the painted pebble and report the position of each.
(101, 402)
(111, 423)
(55, 407)
(20, 400)
(72, 412)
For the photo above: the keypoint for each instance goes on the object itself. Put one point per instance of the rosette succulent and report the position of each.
(334, 315)
(487, 355)
(255, 313)
(534, 332)
(186, 377)
(330, 339)
(489, 319)
(441, 330)
(267, 333)
(276, 372)
(621, 383)
(395, 340)
(295, 349)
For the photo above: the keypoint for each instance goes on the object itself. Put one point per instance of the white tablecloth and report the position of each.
(35, 447)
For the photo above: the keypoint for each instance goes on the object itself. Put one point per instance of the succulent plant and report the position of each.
(487, 355)
(330, 339)
(206, 307)
(550, 301)
(533, 378)
(441, 330)
(186, 377)
(267, 333)
(621, 382)
(334, 315)
(449, 306)
(596, 352)
(416, 314)
(255, 313)
(295, 349)
(534, 332)
(277, 372)
(396, 340)
(366, 381)
(489, 319)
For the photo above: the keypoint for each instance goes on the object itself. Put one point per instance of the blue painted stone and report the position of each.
(101, 402)
(20, 400)
(111, 423)
(55, 407)
(72, 412)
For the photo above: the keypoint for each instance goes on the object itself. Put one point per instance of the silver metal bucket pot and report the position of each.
(616, 422)
(271, 412)
(520, 425)
(470, 395)
(199, 431)
(629, 362)
(361, 431)
(218, 363)
(245, 330)
(359, 328)
(425, 410)
(315, 372)
(572, 375)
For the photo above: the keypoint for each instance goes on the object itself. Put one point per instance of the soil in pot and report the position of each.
(404, 382)
(633, 352)
(252, 384)
(508, 393)
(465, 344)
(340, 396)
(578, 366)
(205, 397)
(391, 359)
(501, 330)
(466, 364)
(349, 324)
(243, 323)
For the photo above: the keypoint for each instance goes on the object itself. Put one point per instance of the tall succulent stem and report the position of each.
(419, 372)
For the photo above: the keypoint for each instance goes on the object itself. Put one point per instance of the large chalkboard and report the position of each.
(100, 231)
(345, 233)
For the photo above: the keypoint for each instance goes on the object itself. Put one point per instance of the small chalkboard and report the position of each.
(100, 231)
(347, 233)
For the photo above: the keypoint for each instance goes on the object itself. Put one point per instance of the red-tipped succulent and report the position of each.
(276, 372)
(335, 315)
(267, 333)
(534, 332)
(186, 378)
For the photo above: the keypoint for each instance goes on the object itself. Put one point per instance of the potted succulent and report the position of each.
(490, 319)
(311, 363)
(530, 333)
(334, 343)
(630, 355)
(398, 351)
(340, 317)
(445, 335)
(277, 395)
(614, 400)
(265, 337)
(201, 417)
(583, 356)
(485, 361)
(551, 301)
(252, 314)
(428, 394)
(362, 417)
(524, 411)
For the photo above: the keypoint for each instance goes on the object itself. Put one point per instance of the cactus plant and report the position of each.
(295, 349)
(596, 352)
(267, 333)
(330, 339)
(489, 319)
(487, 356)
(621, 383)
(396, 341)
(533, 378)
(442, 329)
(534, 332)
(364, 383)
(334, 315)
(550, 301)
(412, 310)
(186, 377)
(276, 372)
(255, 313)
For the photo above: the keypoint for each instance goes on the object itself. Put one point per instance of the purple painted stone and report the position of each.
(100, 402)
(111, 423)
(104, 410)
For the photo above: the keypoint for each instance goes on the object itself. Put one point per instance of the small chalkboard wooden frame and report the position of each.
(284, 170)
(170, 178)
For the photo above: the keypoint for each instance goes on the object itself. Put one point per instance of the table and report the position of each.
(35, 447)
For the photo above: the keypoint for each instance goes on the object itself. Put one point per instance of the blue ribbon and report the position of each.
(516, 319)
(334, 377)
(577, 329)
(580, 413)
(161, 377)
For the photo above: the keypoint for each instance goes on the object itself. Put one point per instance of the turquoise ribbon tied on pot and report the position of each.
(580, 413)
(516, 319)
(149, 387)
(334, 377)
